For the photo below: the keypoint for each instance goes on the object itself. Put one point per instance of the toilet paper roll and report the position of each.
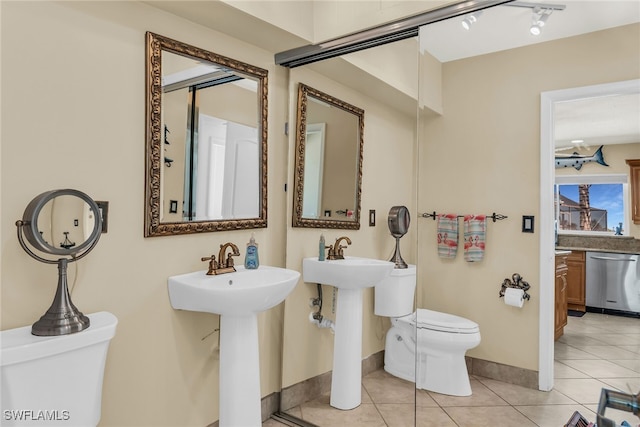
(514, 297)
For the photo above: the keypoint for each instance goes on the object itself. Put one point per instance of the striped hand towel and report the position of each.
(474, 235)
(447, 235)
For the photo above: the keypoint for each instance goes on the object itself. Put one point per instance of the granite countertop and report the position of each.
(616, 251)
(611, 244)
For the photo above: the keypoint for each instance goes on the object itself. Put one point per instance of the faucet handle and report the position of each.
(213, 265)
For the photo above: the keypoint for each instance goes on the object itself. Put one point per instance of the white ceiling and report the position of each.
(596, 121)
(499, 28)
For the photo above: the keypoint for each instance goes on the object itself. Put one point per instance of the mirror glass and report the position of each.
(65, 222)
(328, 174)
(62, 222)
(206, 141)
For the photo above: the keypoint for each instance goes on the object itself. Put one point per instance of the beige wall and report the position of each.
(73, 115)
(482, 156)
(388, 180)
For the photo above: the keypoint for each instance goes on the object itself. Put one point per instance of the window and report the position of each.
(592, 204)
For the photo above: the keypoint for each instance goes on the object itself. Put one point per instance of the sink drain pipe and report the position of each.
(316, 317)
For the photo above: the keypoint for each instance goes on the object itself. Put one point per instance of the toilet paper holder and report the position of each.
(517, 283)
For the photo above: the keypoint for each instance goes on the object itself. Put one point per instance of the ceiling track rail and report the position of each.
(387, 33)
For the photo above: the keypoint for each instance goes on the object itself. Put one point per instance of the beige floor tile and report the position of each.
(424, 399)
(634, 348)
(481, 396)
(560, 370)
(555, 415)
(492, 416)
(398, 414)
(615, 338)
(323, 415)
(634, 364)
(272, 423)
(295, 411)
(601, 368)
(517, 395)
(578, 340)
(564, 351)
(433, 417)
(610, 352)
(582, 390)
(385, 388)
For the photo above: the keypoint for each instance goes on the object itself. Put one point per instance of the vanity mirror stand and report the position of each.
(45, 218)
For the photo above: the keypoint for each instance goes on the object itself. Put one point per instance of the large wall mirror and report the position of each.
(328, 170)
(206, 152)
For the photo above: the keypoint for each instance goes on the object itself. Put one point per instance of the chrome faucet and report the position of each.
(336, 250)
(222, 266)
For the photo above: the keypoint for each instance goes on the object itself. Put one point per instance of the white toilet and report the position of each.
(443, 339)
(55, 380)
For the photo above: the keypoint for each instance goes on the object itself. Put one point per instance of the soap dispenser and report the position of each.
(251, 261)
(321, 248)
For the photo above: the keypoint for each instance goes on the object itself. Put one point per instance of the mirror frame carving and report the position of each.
(301, 129)
(153, 164)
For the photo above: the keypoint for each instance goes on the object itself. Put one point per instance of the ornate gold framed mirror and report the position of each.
(206, 141)
(328, 156)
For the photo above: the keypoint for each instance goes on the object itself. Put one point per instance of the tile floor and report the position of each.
(596, 351)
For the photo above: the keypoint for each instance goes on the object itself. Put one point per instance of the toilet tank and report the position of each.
(394, 295)
(54, 380)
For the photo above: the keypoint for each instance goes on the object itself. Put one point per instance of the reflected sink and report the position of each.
(241, 292)
(351, 276)
(347, 273)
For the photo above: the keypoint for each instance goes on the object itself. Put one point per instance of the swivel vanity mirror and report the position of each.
(64, 223)
(206, 156)
(328, 173)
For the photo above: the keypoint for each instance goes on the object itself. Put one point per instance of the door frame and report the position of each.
(547, 236)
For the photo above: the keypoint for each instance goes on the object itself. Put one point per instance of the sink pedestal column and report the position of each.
(346, 389)
(239, 371)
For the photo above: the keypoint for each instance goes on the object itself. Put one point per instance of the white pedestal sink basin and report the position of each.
(350, 275)
(237, 297)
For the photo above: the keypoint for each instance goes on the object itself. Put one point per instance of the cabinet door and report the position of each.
(576, 281)
(560, 296)
(634, 178)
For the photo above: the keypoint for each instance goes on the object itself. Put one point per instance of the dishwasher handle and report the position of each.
(613, 259)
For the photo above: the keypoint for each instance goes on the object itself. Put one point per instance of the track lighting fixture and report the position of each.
(539, 19)
(541, 12)
(470, 19)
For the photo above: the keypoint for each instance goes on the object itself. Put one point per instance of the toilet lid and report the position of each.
(434, 320)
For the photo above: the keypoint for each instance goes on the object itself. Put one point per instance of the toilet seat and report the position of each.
(437, 321)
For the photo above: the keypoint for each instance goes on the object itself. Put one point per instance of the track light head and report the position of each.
(470, 19)
(539, 19)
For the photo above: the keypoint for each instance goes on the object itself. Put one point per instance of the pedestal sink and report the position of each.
(237, 297)
(350, 275)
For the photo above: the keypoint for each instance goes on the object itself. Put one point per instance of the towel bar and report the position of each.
(494, 216)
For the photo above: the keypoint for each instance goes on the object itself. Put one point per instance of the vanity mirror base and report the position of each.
(62, 317)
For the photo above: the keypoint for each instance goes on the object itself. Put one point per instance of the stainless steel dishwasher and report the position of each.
(613, 281)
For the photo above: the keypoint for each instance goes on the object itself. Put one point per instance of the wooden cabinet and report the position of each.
(576, 281)
(634, 178)
(560, 295)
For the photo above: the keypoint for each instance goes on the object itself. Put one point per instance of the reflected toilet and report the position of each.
(426, 347)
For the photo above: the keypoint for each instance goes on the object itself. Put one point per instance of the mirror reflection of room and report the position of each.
(328, 164)
(211, 146)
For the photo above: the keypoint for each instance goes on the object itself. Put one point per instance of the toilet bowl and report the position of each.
(429, 342)
(54, 380)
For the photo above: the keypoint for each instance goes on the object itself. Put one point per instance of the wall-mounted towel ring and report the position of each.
(517, 283)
